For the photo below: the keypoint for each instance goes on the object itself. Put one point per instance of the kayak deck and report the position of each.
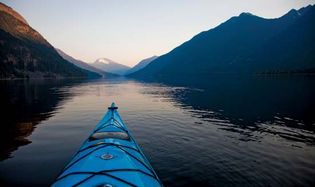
(109, 157)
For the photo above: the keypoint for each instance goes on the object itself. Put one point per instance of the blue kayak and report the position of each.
(109, 157)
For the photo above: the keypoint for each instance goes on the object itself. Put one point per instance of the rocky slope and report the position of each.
(26, 54)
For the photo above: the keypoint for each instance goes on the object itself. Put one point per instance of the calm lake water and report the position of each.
(236, 131)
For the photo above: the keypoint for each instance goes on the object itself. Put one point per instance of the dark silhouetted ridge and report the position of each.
(245, 44)
(143, 63)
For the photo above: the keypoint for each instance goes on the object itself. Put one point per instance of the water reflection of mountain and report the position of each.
(24, 104)
(248, 101)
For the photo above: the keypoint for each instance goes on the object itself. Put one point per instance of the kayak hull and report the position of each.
(109, 157)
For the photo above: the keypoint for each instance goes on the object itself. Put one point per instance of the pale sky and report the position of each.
(128, 31)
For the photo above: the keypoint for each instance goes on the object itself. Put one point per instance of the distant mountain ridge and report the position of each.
(244, 44)
(110, 66)
(26, 54)
(84, 65)
(143, 63)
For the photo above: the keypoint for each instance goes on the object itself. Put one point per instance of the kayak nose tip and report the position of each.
(113, 104)
(113, 107)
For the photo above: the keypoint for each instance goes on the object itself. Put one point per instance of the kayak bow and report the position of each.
(109, 157)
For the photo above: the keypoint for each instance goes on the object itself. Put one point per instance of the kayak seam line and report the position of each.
(105, 171)
(102, 125)
(105, 145)
(109, 124)
(109, 175)
(74, 162)
(141, 162)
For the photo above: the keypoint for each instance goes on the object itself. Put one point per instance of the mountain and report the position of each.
(26, 54)
(83, 65)
(110, 66)
(245, 44)
(143, 63)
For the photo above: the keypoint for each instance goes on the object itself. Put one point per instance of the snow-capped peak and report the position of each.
(103, 60)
